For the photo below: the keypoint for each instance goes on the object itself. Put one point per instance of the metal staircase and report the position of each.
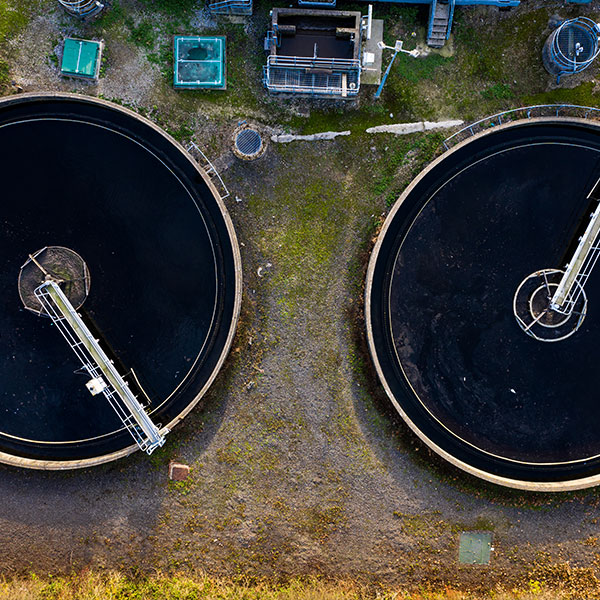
(440, 22)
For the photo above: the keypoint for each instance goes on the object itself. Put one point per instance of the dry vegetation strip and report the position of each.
(116, 586)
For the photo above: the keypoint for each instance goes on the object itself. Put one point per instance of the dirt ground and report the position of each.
(299, 465)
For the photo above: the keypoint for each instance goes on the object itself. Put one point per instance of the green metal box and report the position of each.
(81, 58)
(199, 62)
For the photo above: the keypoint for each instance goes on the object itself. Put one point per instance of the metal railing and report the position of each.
(581, 264)
(432, 10)
(328, 3)
(99, 367)
(209, 169)
(231, 7)
(568, 43)
(450, 17)
(317, 62)
(524, 112)
(82, 8)
(312, 82)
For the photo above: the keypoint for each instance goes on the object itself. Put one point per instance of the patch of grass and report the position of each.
(173, 8)
(498, 91)
(143, 35)
(91, 585)
(417, 69)
(112, 17)
(13, 17)
(479, 524)
(4, 73)
(321, 521)
(421, 525)
(181, 133)
(183, 487)
(582, 95)
(415, 152)
(305, 246)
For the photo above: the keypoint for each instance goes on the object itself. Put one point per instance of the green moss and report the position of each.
(14, 16)
(421, 525)
(110, 18)
(143, 35)
(417, 69)
(305, 245)
(174, 8)
(415, 151)
(479, 524)
(182, 133)
(582, 95)
(498, 91)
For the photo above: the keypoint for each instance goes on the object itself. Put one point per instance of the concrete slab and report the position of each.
(372, 73)
(408, 128)
(178, 471)
(475, 548)
(284, 138)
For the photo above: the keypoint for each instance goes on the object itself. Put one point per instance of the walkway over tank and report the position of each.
(105, 378)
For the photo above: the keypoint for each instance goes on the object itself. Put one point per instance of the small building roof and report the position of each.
(199, 62)
(81, 58)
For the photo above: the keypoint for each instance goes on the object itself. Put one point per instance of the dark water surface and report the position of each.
(459, 365)
(122, 197)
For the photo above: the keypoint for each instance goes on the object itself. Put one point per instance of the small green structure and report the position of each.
(475, 548)
(199, 62)
(81, 58)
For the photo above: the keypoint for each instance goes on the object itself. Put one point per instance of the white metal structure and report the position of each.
(550, 304)
(580, 266)
(397, 48)
(82, 8)
(104, 377)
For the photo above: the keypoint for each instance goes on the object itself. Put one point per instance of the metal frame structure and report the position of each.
(104, 376)
(209, 169)
(82, 8)
(231, 7)
(541, 321)
(524, 112)
(219, 43)
(567, 63)
(441, 14)
(324, 3)
(397, 48)
(581, 264)
(313, 76)
(334, 74)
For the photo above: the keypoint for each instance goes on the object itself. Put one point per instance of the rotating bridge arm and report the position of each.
(582, 262)
(105, 377)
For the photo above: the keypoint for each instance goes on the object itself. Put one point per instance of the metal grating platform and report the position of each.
(104, 376)
(248, 142)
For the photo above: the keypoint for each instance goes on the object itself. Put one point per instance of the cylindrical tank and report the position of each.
(572, 47)
(82, 8)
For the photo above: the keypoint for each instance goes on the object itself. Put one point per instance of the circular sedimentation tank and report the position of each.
(108, 205)
(458, 306)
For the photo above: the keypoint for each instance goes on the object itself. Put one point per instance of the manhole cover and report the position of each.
(248, 144)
